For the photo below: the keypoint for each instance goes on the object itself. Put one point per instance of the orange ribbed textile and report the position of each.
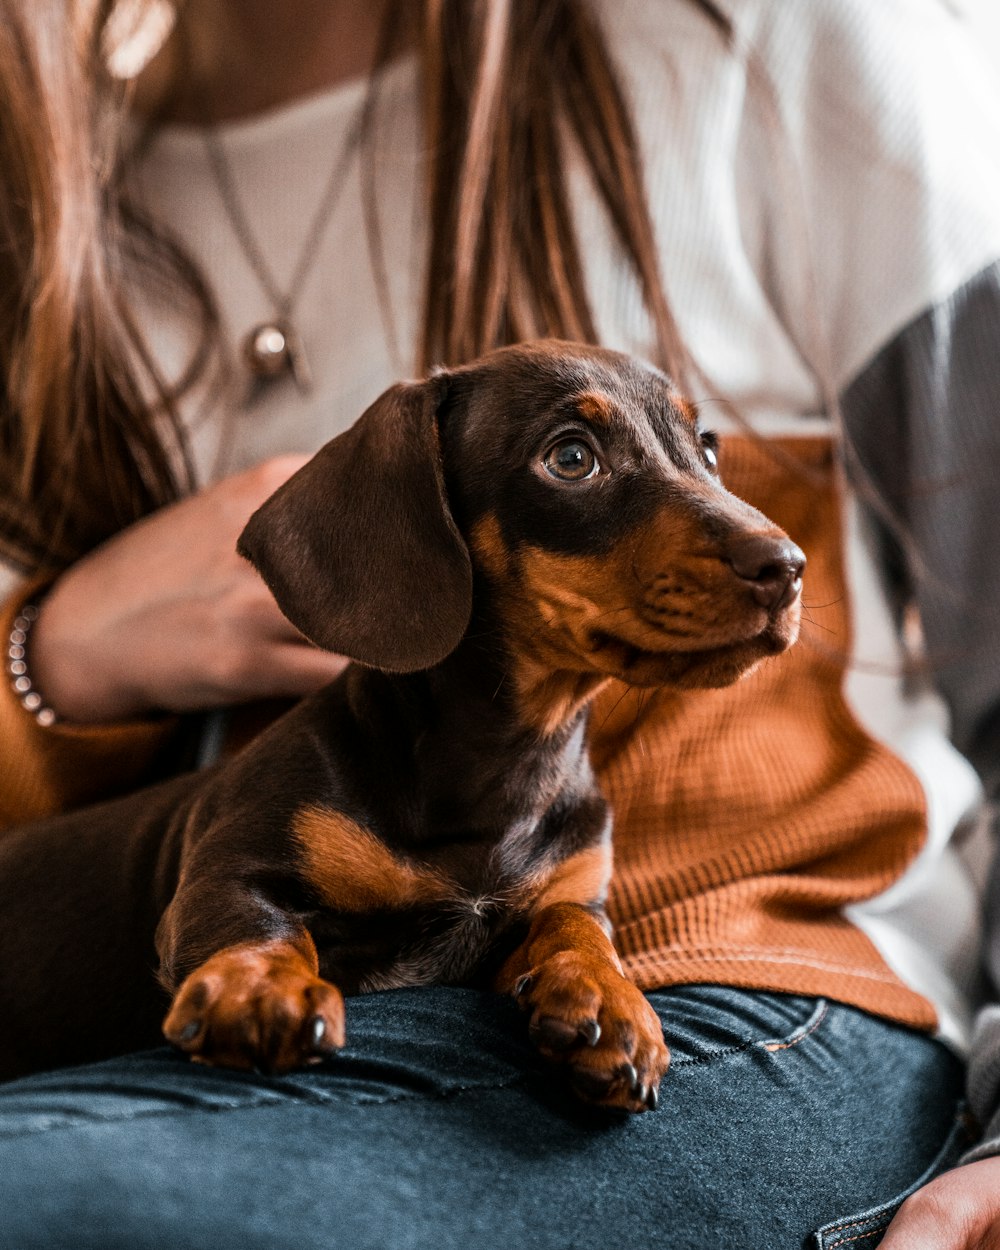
(747, 818)
(48, 770)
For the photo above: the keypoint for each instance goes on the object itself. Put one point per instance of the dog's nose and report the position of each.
(772, 566)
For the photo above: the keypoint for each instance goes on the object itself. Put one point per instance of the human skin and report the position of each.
(229, 59)
(960, 1210)
(166, 616)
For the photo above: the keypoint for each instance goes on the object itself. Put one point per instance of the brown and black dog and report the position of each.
(492, 546)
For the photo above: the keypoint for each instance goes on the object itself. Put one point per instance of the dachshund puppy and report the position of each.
(492, 546)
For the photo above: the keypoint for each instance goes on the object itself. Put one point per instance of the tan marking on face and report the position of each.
(548, 700)
(352, 870)
(660, 610)
(595, 407)
(546, 621)
(685, 407)
(488, 548)
(583, 878)
(575, 597)
(663, 589)
(550, 695)
(569, 595)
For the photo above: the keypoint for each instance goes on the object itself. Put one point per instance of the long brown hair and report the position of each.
(90, 435)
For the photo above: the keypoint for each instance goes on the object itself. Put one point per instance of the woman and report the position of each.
(794, 211)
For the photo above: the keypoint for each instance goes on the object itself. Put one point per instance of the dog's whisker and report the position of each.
(614, 708)
(708, 399)
(810, 624)
(831, 603)
(645, 697)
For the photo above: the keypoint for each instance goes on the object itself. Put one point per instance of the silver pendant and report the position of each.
(272, 351)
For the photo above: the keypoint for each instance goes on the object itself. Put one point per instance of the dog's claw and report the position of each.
(591, 1032)
(523, 985)
(317, 1030)
(190, 1031)
(653, 1097)
(629, 1076)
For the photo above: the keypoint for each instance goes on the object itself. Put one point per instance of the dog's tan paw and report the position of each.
(256, 1008)
(589, 1018)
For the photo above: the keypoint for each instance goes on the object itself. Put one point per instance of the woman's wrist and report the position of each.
(71, 662)
(19, 669)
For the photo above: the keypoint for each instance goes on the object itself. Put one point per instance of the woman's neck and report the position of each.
(230, 59)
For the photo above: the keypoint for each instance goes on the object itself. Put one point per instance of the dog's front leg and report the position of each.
(585, 1014)
(254, 999)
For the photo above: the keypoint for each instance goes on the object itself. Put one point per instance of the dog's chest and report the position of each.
(455, 940)
(388, 920)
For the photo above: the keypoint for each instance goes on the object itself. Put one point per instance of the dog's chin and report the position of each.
(687, 670)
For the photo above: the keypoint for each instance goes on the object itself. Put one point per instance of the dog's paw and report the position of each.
(589, 1018)
(260, 1008)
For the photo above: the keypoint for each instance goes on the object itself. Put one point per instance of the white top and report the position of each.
(281, 163)
(799, 211)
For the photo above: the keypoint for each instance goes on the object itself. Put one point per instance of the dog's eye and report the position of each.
(571, 460)
(710, 447)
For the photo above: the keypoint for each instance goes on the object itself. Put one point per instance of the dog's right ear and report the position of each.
(359, 546)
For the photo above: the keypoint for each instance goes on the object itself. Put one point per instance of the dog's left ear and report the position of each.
(359, 546)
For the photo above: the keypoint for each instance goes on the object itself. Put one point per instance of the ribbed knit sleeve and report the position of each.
(46, 770)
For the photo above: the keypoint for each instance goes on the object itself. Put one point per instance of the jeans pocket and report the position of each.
(704, 1023)
(865, 1229)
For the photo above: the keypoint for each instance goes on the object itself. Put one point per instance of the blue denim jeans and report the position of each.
(784, 1122)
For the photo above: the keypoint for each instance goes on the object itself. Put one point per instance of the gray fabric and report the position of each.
(923, 419)
(923, 426)
(983, 1082)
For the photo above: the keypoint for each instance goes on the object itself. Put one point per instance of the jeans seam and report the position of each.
(874, 1231)
(688, 1061)
(873, 1220)
(770, 1045)
(315, 1101)
(800, 1035)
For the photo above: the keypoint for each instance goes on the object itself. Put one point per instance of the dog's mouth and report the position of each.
(712, 666)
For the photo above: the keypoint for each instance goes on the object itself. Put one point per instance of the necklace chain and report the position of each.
(282, 301)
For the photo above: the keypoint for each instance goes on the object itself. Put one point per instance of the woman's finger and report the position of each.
(959, 1210)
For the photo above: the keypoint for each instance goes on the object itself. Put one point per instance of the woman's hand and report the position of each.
(167, 616)
(959, 1210)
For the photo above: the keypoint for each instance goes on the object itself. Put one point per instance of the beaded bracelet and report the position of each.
(17, 666)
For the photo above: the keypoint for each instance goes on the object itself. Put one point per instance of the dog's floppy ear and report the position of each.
(359, 546)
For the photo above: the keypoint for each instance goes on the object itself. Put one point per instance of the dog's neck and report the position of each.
(482, 763)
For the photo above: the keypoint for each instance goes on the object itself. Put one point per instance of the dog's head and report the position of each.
(572, 485)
